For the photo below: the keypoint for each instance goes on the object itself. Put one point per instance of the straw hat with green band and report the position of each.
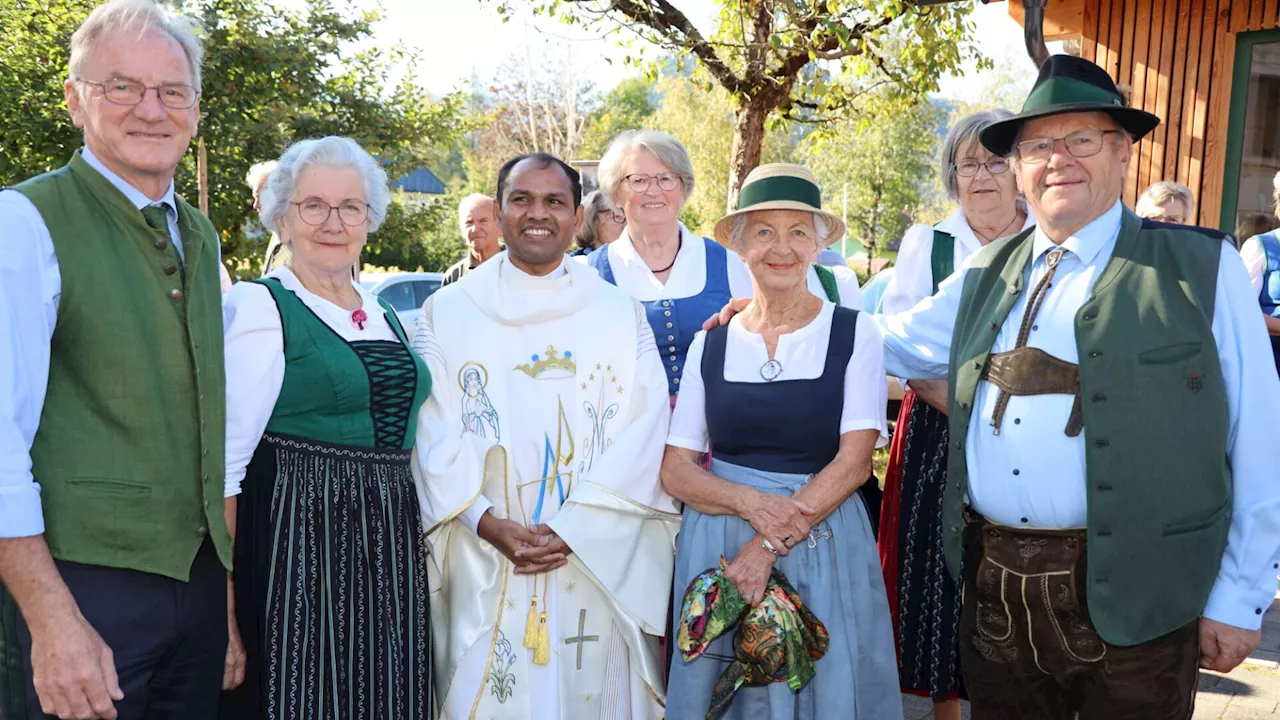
(780, 186)
(1068, 84)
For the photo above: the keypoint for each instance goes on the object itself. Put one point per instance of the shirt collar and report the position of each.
(1086, 242)
(135, 196)
(957, 226)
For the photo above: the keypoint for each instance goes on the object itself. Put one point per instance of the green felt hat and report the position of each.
(780, 186)
(1068, 84)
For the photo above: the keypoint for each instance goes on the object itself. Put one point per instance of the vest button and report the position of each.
(666, 303)
(668, 326)
(171, 270)
(673, 358)
(995, 326)
(670, 337)
(676, 381)
(162, 244)
(671, 349)
(1095, 353)
(675, 368)
(202, 530)
(175, 294)
(1090, 316)
(667, 313)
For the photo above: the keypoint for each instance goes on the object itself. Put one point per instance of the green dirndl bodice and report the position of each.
(330, 563)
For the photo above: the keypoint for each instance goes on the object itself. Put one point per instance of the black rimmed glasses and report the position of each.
(130, 92)
(317, 212)
(969, 168)
(666, 182)
(618, 216)
(1080, 144)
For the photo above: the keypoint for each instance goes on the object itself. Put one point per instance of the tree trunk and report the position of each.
(748, 139)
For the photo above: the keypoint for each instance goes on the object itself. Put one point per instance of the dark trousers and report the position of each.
(169, 638)
(1029, 649)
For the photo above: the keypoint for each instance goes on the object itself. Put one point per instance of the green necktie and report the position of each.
(157, 217)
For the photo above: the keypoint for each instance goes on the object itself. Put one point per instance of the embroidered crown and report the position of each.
(550, 365)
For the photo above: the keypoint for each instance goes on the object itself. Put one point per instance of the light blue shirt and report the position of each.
(30, 286)
(1033, 475)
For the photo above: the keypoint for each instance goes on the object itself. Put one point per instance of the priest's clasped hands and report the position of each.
(532, 550)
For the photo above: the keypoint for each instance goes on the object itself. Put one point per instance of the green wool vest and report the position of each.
(1155, 421)
(130, 449)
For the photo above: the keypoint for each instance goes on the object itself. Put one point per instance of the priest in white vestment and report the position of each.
(539, 451)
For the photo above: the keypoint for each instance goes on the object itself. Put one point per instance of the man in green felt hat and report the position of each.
(1109, 489)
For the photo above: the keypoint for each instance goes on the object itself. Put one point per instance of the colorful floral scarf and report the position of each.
(777, 641)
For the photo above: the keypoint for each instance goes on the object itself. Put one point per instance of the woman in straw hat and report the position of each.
(681, 279)
(789, 398)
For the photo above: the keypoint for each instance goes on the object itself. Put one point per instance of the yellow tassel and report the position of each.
(531, 625)
(542, 654)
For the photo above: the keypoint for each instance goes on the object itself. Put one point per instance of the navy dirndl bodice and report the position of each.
(787, 426)
(675, 322)
(1269, 298)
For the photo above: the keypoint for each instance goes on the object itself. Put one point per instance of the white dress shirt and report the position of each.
(688, 275)
(254, 349)
(30, 285)
(1033, 475)
(803, 355)
(912, 279)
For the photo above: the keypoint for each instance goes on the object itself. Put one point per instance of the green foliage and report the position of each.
(702, 119)
(628, 106)
(271, 77)
(417, 236)
(885, 163)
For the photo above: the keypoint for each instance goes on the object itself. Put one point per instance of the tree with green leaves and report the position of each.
(883, 166)
(271, 76)
(628, 106)
(806, 61)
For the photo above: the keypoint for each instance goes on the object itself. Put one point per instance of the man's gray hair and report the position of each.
(139, 16)
(332, 151)
(466, 204)
(669, 151)
(258, 173)
(1158, 194)
(740, 228)
(961, 136)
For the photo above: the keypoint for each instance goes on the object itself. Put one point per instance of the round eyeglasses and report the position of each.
(317, 212)
(129, 92)
(969, 168)
(666, 182)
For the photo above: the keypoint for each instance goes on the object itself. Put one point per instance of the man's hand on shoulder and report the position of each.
(1223, 646)
(531, 550)
(726, 313)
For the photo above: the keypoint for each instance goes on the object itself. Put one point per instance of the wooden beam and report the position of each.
(1137, 82)
(1186, 129)
(1255, 14)
(1089, 36)
(1271, 14)
(1063, 19)
(1171, 128)
(1239, 18)
(1201, 94)
(1160, 137)
(1215, 155)
(1106, 56)
(1115, 39)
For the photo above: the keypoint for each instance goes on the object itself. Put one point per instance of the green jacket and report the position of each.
(129, 453)
(1155, 420)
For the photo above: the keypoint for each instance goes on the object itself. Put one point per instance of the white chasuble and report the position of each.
(549, 404)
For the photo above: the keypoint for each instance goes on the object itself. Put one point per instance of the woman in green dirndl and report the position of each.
(328, 616)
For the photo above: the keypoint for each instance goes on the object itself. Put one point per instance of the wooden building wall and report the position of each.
(1177, 58)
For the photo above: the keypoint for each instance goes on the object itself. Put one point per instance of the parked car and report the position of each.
(406, 292)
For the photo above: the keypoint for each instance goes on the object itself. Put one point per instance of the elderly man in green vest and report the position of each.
(1111, 391)
(112, 411)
